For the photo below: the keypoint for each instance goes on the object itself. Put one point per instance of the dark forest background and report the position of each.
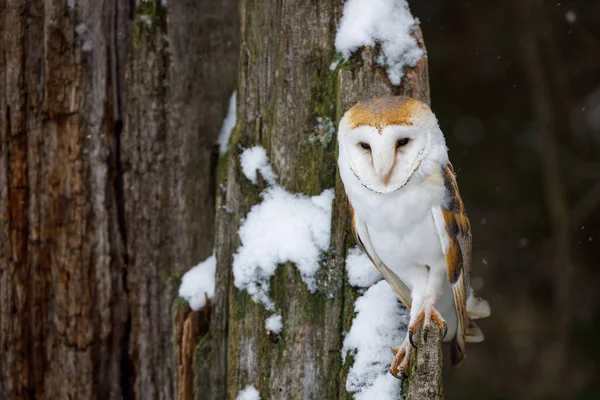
(516, 88)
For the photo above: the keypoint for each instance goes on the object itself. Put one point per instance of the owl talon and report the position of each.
(426, 316)
(401, 362)
(445, 330)
(410, 339)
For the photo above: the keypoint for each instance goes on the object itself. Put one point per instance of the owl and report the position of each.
(409, 218)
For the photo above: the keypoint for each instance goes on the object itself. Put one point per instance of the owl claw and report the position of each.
(401, 362)
(445, 330)
(427, 328)
(410, 339)
(426, 316)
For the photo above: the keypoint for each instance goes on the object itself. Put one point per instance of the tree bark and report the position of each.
(62, 297)
(284, 84)
(425, 380)
(106, 187)
(181, 73)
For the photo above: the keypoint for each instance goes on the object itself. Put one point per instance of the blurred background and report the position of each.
(516, 88)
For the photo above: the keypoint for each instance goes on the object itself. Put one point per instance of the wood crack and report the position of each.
(127, 368)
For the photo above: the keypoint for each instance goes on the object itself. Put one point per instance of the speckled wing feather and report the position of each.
(364, 241)
(454, 229)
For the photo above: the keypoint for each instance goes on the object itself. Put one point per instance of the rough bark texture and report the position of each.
(62, 298)
(106, 188)
(425, 381)
(284, 85)
(181, 73)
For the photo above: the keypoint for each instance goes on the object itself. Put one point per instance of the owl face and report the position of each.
(385, 140)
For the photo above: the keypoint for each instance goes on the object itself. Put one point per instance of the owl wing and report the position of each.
(361, 233)
(454, 230)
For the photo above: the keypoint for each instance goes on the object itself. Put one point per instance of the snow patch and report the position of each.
(228, 125)
(380, 324)
(283, 227)
(274, 324)
(334, 65)
(388, 22)
(249, 393)
(146, 19)
(255, 159)
(88, 45)
(361, 271)
(198, 283)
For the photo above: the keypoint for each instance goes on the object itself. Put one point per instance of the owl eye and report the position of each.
(365, 145)
(402, 142)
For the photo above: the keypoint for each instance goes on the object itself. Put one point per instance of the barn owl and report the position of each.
(408, 217)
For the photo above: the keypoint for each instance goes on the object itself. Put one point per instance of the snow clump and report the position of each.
(255, 159)
(228, 125)
(387, 22)
(274, 324)
(361, 271)
(380, 324)
(198, 283)
(283, 227)
(249, 393)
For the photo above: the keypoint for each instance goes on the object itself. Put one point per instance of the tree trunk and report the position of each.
(63, 300)
(181, 73)
(285, 84)
(106, 187)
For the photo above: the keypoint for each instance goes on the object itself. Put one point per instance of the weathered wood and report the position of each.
(62, 300)
(285, 83)
(182, 70)
(425, 380)
(284, 75)
(106, 187)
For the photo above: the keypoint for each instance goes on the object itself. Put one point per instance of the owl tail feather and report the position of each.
(474, 333)
(457, 352)
(477, 307)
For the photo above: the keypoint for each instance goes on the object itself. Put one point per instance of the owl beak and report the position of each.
(386, 173)
(386, 178)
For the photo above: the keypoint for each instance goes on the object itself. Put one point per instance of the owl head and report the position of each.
(386, 140)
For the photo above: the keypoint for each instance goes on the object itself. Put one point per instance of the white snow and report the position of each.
(80, 29)
(228, 125)
(255, 159)
(249, 393)
(146, 19)
(198, 283)
(361, 271)
(88, 45)
(334, 65)
(380, 324)
(274, 324)
(283, 227)
(388, 22)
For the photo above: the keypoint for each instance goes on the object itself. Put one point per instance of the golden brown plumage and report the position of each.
(458, 257)
(380, 112)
